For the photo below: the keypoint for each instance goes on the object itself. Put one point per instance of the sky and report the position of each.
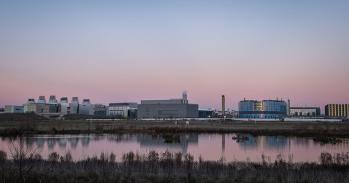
(125, 51)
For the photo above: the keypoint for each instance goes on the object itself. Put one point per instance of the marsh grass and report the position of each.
(172, 167)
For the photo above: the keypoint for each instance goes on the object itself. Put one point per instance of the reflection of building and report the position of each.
(180, 141)
(172, 108)
(122, 110)
(337, 110)
(13, 109)
(305, 111)
(277, 142)
(262, 109)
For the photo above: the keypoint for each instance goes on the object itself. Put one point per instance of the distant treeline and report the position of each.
(21, 166)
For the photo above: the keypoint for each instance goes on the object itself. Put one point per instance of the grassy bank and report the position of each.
(168, 167)
(46, 126)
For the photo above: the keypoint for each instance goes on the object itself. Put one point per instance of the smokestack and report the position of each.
(288, 107)
(223, 106)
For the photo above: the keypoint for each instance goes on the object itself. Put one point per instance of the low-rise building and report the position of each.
(13, 109)
(206, 113)
(64, 106)
(32, 106)
(305, 111)
(172, 108)
(337, 110)
(86, 107)
(265, 109)
(52, 104)
(100, 110)
(123, 110)
(74, 105)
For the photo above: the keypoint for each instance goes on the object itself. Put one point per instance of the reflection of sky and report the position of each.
(155, 49)
(208, 146)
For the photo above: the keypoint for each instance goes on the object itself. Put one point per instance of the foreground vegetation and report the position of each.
(167, 167)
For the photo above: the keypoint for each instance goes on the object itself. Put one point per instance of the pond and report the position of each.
(227, 147)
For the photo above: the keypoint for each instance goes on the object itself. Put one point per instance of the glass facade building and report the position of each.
(267, 109)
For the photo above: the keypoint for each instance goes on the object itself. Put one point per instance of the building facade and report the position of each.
(99, 110)
(122, 110)
(74, 106)
(337, 110)
(305, 111)
(86, 107)
(206, 113)
(64, 106)
(266, 109)
(32, 106)
(13, 109)
(172, 108)
(52, 104)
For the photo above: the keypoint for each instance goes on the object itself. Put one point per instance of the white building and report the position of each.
(64, 106)
(74, 106)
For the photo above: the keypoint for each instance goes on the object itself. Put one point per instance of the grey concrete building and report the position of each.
(304, 111)
(122, 110)
(172, 108)
(86, 107)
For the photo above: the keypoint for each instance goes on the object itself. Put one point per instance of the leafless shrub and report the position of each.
(3, 156)
(53, 157)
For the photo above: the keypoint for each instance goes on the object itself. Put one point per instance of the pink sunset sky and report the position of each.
(128, 51)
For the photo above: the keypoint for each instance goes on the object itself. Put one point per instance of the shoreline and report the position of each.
(310, 129)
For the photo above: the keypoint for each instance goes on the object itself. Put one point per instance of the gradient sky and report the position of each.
(116, 51)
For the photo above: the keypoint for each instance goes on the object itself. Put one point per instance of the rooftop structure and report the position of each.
(42, 100)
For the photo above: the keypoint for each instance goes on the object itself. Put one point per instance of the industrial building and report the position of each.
(74, 105)
(122, 110)
(52, 104)
(206, 113)
(99, 110)
(267, 109)
(305, 112)
(37, 107)
(172, 108)
(86, 107)
(64, 107)
(13, 109)
(337, 110)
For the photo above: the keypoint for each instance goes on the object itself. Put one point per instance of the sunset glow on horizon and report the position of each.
(126, 51)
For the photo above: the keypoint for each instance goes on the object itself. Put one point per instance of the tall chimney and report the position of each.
(223, 106)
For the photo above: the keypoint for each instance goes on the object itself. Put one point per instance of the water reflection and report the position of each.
(209, 146)
(171, 142)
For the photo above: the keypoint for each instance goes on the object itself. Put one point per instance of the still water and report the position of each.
(208, 146)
